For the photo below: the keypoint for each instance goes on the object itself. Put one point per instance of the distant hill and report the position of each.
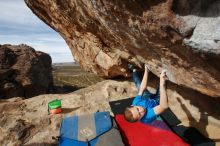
(66, 64)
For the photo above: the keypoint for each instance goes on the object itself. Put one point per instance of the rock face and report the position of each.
(181, 36)
(27, 123)
(24, 72)
(202, 22)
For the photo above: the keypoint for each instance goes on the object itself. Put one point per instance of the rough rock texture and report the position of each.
(202, 21)
(106, 35)
(24, 72)
(27, 123)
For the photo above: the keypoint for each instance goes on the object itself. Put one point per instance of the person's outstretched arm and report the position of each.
(163, 94)
(144, 81)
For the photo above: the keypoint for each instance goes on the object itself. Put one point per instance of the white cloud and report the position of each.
(53, 46)
(18, 25)
(17, 12)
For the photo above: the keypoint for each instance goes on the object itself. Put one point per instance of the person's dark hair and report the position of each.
(128, 115)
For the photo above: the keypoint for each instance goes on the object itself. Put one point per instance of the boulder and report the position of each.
(181, 36)
(27, 123)
(24, 72)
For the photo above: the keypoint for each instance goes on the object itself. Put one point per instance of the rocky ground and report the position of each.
(26, 122)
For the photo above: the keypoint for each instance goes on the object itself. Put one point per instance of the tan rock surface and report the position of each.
(26, 122)
(104, 36)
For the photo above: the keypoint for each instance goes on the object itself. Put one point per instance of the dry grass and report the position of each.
(73, 76)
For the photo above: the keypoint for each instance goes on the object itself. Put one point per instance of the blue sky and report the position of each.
(18, 25)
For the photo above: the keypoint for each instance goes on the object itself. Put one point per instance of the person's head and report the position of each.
(134, 113)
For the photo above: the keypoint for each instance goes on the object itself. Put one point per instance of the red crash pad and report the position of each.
(139, 134)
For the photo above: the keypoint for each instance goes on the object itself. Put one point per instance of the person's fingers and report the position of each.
(163, 71)
(166, 77)
(163, 75)
(146, 66)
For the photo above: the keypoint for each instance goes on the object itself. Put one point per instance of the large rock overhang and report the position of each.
(104, 36)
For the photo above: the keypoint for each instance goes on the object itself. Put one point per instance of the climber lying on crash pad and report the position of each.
(146, 106)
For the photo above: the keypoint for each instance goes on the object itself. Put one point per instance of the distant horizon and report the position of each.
(18, 25)
(65, 62)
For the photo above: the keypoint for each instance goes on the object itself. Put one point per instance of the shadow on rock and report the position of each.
(197, 7)
(191, 134)
(64, 89)
(69, 110)
(206, 105)
(42, 144)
